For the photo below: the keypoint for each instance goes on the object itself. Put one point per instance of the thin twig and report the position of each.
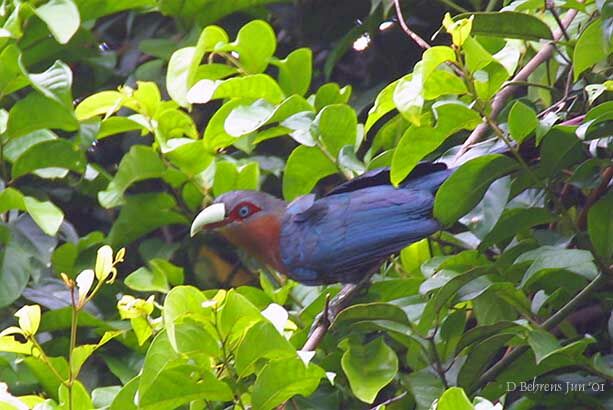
(390, 401)
(549, 5)
(413, 35)
(503, 95)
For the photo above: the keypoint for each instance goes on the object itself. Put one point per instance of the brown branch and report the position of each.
(331, 310)
(503, 95)
(412, 35)
(607, 174)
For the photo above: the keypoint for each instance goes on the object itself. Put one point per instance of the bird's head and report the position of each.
(236, 209)
(250, 220)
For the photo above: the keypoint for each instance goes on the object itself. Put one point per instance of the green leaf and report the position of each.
(522, 121)
(514, 221)
(600, 226)
(560, 149)
(104, 102)
(369, 368)
(78, 400)
(245, 119)
(145, 280)
(417, 142)
(142, 214)
(191, 157)
(590, 48)
(331, 93)
(337, 127)
(454, 398)
(124, 400)
(174, 387)
(545, 258)
(489, 80)
(425, 387)
(249, 86)
(280, 380)
(477, 57)
(228, 177)
(12, 77)
(61, 17)
(35, 112)
(262, 340)
(441, 83)
(57, 153)
(371, 311)
(295, 71)
(237, 315)
(54, 83)
(255, 43)
(508, 24)
(118, 125)
(46, 215)
(140, 163)
(82, 352)
(466, 186)
(173, 273)
(384, 103)
(542, 343)
(183, 65)
(305, 167)
(408, 96)
(181, 302)
(102, 397)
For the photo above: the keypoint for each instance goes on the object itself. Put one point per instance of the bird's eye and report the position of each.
(243, 211)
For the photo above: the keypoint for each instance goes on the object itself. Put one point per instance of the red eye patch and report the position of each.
(243, 210)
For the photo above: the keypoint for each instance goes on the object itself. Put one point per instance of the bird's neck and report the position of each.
(260, 238)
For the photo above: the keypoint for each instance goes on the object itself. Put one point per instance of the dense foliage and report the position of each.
(180, 101)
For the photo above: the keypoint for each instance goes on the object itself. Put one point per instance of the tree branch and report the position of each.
(413, 35)
(503, 95)
(331, 310)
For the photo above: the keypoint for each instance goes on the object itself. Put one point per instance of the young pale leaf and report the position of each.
(465, 188)
(29, 319)
(104, 102)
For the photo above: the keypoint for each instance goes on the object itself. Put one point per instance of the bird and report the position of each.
(341, 236)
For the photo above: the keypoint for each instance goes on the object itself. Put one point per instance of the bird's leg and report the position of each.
(333, 307)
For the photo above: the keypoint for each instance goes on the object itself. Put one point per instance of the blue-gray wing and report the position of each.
(339, 238)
